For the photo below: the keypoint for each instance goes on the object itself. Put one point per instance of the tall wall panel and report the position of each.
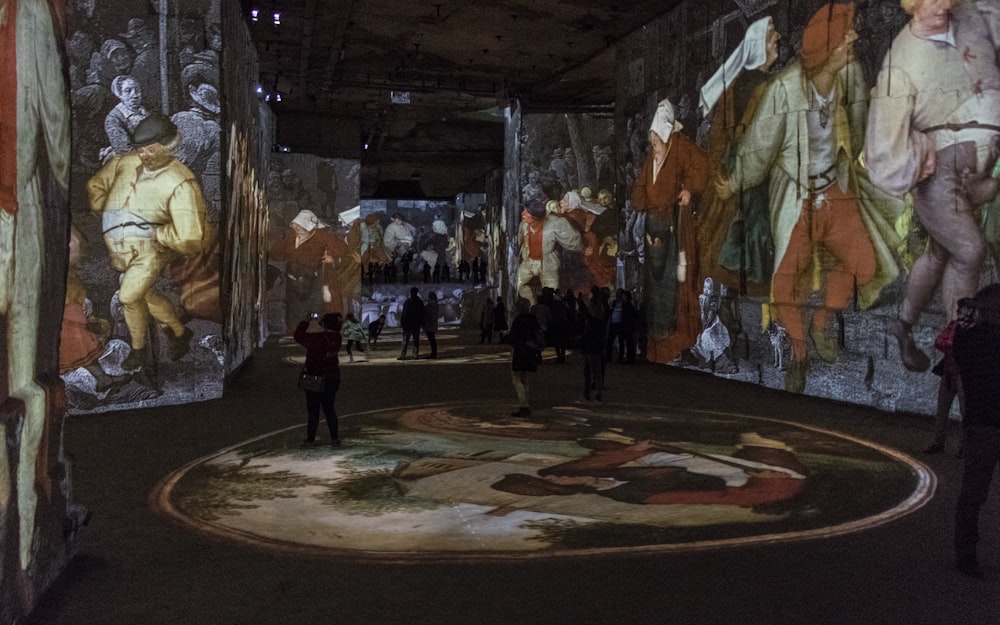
(799, 249)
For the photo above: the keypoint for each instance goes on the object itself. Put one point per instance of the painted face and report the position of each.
(659, 147)
(771, 46)
(130, 94)
(121, 60)
(844, 53)
(299, 230)
(931, 17)
(154, 156)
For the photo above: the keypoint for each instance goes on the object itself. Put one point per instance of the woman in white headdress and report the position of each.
(307, 249)
(674, 174)
(734, 234)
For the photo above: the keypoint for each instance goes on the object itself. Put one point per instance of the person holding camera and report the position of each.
(321, 338)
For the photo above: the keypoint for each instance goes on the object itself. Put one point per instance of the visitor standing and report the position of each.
(500, 319)
(592, 345)
(431, 322)
(526, 341)
(486, 319)
(976, 349)
(321, 338)
(411, 319)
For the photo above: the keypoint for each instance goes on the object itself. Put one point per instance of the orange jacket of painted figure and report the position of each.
(685, 168)
(78, 345)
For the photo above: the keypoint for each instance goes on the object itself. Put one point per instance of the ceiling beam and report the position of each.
(306, 49)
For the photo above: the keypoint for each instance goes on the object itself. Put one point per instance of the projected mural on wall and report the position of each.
(316, 238)
(788, 229)
(428, 244)
(143, 315)
(567, 224)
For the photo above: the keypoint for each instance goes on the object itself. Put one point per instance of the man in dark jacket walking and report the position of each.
(526, 341)
(411, 319)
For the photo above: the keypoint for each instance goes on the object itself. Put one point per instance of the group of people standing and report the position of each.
(418, 315)
(591, 324)
(564, 317)
(600, 324)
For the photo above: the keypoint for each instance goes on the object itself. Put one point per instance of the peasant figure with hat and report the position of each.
(200, 130)
(115, 60)
(151, 209)
(146, 67)
(308, 249)
(830, 235)
(674, 173)
(541, 236)
(199, 150)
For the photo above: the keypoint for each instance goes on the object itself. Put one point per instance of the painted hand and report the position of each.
(929, 166)
(723, 189)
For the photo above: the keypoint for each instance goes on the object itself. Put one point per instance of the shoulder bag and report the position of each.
(315, 382)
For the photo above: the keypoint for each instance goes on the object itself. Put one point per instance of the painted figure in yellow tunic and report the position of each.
(152, 208)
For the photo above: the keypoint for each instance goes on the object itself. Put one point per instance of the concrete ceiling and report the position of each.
(457, 59)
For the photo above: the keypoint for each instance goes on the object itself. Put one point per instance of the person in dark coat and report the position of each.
(624, 317)
(321, 338)
(411, 319)
(592, 345)
(525, 339)
(976, 350)
(431, 322)
(486, 319)
(500, 319)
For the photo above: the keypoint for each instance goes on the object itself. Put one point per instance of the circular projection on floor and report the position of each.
(469, 480)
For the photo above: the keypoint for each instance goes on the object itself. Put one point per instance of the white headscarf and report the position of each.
(573, 199)
(750, 54)
(308, 220)
(348, 216)
(663, 121)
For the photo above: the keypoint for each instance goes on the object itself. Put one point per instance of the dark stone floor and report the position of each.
(136, 566)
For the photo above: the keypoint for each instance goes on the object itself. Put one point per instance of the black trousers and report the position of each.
(316, 400)
(433, 342)
(981, 453)
(626, 342)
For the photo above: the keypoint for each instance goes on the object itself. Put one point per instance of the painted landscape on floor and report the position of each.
(471, 480)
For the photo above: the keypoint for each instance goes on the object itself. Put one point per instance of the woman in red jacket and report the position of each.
(322, 342)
